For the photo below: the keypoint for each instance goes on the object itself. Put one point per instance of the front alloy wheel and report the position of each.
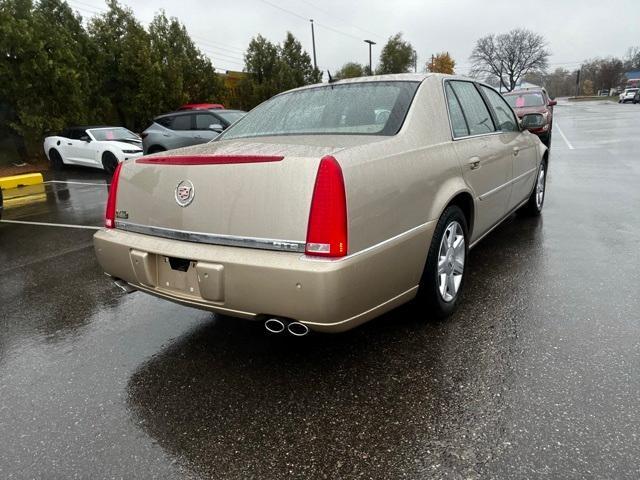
(536, 200)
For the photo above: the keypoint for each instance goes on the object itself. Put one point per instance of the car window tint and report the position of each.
(165, 121)
(458, 122)
(76, 133)
(203, 120)
(506, 119)
(475, 111)
(181, 122)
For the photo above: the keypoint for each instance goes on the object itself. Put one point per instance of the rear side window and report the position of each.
(475, 111)
(506, 119)
(165, 121)
(458, 122)
(181, 122)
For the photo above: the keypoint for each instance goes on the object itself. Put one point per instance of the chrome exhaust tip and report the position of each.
(298, 329)
(273, 325)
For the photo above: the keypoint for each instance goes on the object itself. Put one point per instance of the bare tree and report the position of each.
(509, 56)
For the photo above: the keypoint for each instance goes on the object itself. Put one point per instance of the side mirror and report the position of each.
(216, 127)
(532, 121)
(552, 102)
(86, 138)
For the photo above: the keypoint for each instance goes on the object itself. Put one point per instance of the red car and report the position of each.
(528, 101)
(202, 106)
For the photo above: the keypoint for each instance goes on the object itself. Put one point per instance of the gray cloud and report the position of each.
(575, 29)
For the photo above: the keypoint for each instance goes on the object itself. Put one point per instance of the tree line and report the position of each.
(57, 70)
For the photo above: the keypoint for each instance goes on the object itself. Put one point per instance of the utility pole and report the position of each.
(370, 42)
(415, 62)
(313, 41)
(578, 83)
(432, 62)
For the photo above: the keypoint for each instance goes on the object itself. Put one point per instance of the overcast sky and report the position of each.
(574, 29)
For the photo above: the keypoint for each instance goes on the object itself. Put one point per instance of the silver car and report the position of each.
(182, 129)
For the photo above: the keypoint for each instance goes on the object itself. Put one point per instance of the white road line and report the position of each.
(564, 137)
(77, 183)
(44, 224)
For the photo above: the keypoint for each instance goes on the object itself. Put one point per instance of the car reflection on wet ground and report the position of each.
(535, 376)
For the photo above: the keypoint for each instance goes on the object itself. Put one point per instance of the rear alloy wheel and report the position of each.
(56, 160)
(536, 200)
(444, 273)
(109, 162)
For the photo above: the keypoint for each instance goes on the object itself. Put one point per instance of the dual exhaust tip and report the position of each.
(276, 325)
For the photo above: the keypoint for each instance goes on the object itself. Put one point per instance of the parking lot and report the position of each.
(535, 376)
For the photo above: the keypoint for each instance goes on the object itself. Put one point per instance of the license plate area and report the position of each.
(188, 277)
(177, 275)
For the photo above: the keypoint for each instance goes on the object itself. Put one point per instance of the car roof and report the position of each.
(524, 90)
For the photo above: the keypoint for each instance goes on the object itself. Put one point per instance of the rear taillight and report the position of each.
(327, 230)
(110, 214)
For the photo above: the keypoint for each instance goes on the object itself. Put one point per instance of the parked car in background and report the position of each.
(536, 101)
(100, 147)
(201, 106)
(185, 128)
(316, 211)
(628, 95)
(604, 92)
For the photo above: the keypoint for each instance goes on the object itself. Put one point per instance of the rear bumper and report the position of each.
(326, 295)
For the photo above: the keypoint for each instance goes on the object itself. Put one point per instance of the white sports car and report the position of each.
(99, 147)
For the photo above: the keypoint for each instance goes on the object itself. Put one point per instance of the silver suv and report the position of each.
(181, 129)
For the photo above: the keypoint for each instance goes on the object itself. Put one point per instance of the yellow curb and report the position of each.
(16, 181)
(26, 200)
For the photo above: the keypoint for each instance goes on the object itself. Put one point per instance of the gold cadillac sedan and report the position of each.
(327, 205)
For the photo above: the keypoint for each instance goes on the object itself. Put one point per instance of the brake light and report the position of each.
(110, 214)
(327, 229)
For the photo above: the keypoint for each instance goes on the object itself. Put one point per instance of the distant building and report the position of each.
(231, 79)
(633, 78)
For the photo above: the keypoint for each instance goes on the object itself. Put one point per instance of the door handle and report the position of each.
(474, 163)
(516, 151)
(69, 143)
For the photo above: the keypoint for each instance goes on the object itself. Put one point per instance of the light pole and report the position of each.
(370, 42)
(313, 41)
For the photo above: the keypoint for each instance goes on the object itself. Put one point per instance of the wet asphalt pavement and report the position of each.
(537, 375)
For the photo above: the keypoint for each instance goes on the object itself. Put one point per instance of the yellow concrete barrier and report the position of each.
(16, 181)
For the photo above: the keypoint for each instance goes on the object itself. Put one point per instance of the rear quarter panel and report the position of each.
(406, 181)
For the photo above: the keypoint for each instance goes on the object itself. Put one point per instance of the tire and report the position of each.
(535, 203)
(56, 160)
(444, 273)
(109, 162)
(546, 139)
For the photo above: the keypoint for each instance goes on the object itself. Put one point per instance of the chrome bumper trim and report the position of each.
(211, 239)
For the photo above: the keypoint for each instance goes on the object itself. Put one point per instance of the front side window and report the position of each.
(475, 111)
(204, 120)
(506, 119)
(367, 108)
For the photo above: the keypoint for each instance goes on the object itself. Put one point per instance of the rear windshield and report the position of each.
(231, 117)
(525, 100)
(367, 108)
